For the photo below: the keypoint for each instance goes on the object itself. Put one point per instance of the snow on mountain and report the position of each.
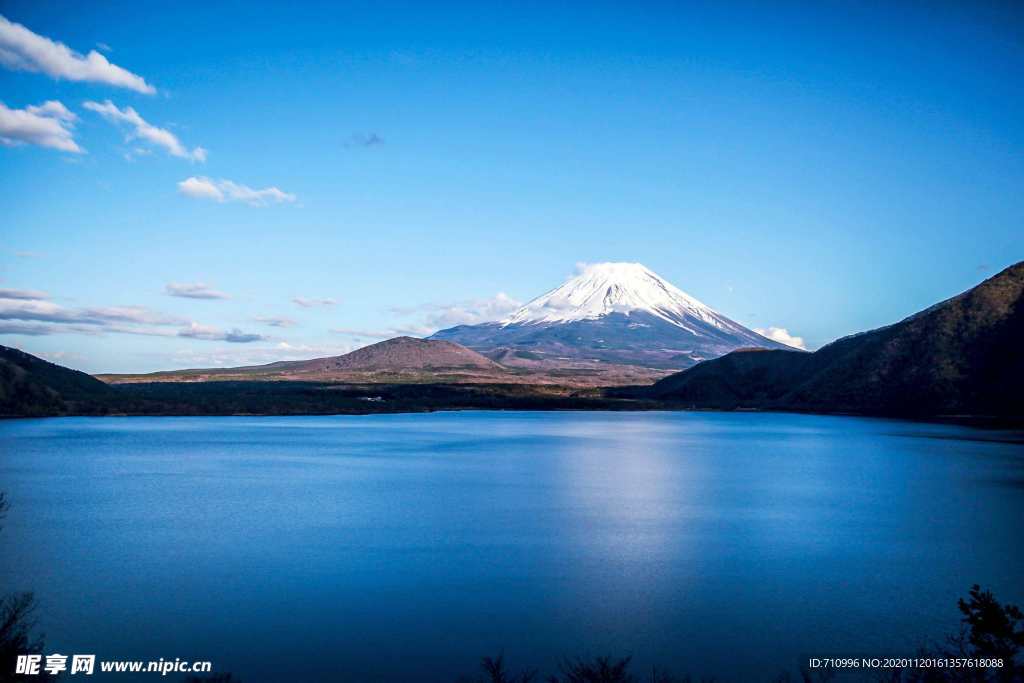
(619, 313)
(604, 288)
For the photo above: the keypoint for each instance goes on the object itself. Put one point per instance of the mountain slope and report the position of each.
(401, 353)
(614, 313)
(31, 386)
(959, 357)
(398, 359)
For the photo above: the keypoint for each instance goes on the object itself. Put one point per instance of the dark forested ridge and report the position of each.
(31, 386)
(964, 356)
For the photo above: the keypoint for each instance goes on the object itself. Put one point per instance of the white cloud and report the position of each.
(48, 125)
(470, 312)
(304, 350)
(23, 294)
(136, 152)
(201, 187)
(20, 313)
(307, 302)
(23, 50)
(237, 336)
(42, 310)
(62, 357)
(433, 316)
(143, 130)
(195, 290)
(233, 356)
(781, 335)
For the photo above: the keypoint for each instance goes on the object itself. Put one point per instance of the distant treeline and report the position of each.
(315, 398)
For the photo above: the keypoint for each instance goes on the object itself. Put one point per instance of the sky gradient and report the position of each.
(228, 183)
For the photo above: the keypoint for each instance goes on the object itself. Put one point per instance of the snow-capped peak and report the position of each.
(605, 288)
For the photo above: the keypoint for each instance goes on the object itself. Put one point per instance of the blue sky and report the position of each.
(824, 168)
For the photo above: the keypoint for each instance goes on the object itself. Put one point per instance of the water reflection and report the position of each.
(418, 542)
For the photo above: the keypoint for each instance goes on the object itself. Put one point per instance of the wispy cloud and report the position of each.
(196, 290)
(27, 329)
(23, 294)
(235, 355)
(200, 187)
(275, 322)
(359, 333)
(34, 315)
(364, 140)
(140, 129)
(470, 312)
(235, 336)
(47, 311)
(50, 124)
(136, 152)
(63, 357)
(308, 302)
(24, 50)
(781, 335)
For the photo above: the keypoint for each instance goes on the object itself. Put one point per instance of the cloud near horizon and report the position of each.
(781, 335)
(358, 333)
(195, 290)
(207, 333)
(46, 311)
(21, 49)
(145, 131)
(31, 313)
(201, 187)
(252, 355)
(469, 312)
(49, 124)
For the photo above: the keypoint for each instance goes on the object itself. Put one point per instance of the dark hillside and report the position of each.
(963, 356)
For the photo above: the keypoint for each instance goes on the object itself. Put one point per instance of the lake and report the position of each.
(405, 547)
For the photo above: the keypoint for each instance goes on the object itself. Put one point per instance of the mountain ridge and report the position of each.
(621, 313)
(958, 357)
(394, 357)
(32, 386)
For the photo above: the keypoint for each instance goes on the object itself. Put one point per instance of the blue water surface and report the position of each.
(405, 547)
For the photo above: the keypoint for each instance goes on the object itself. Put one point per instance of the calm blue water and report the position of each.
(405, 547)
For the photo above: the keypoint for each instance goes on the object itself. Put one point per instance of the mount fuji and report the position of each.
(621, 313)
